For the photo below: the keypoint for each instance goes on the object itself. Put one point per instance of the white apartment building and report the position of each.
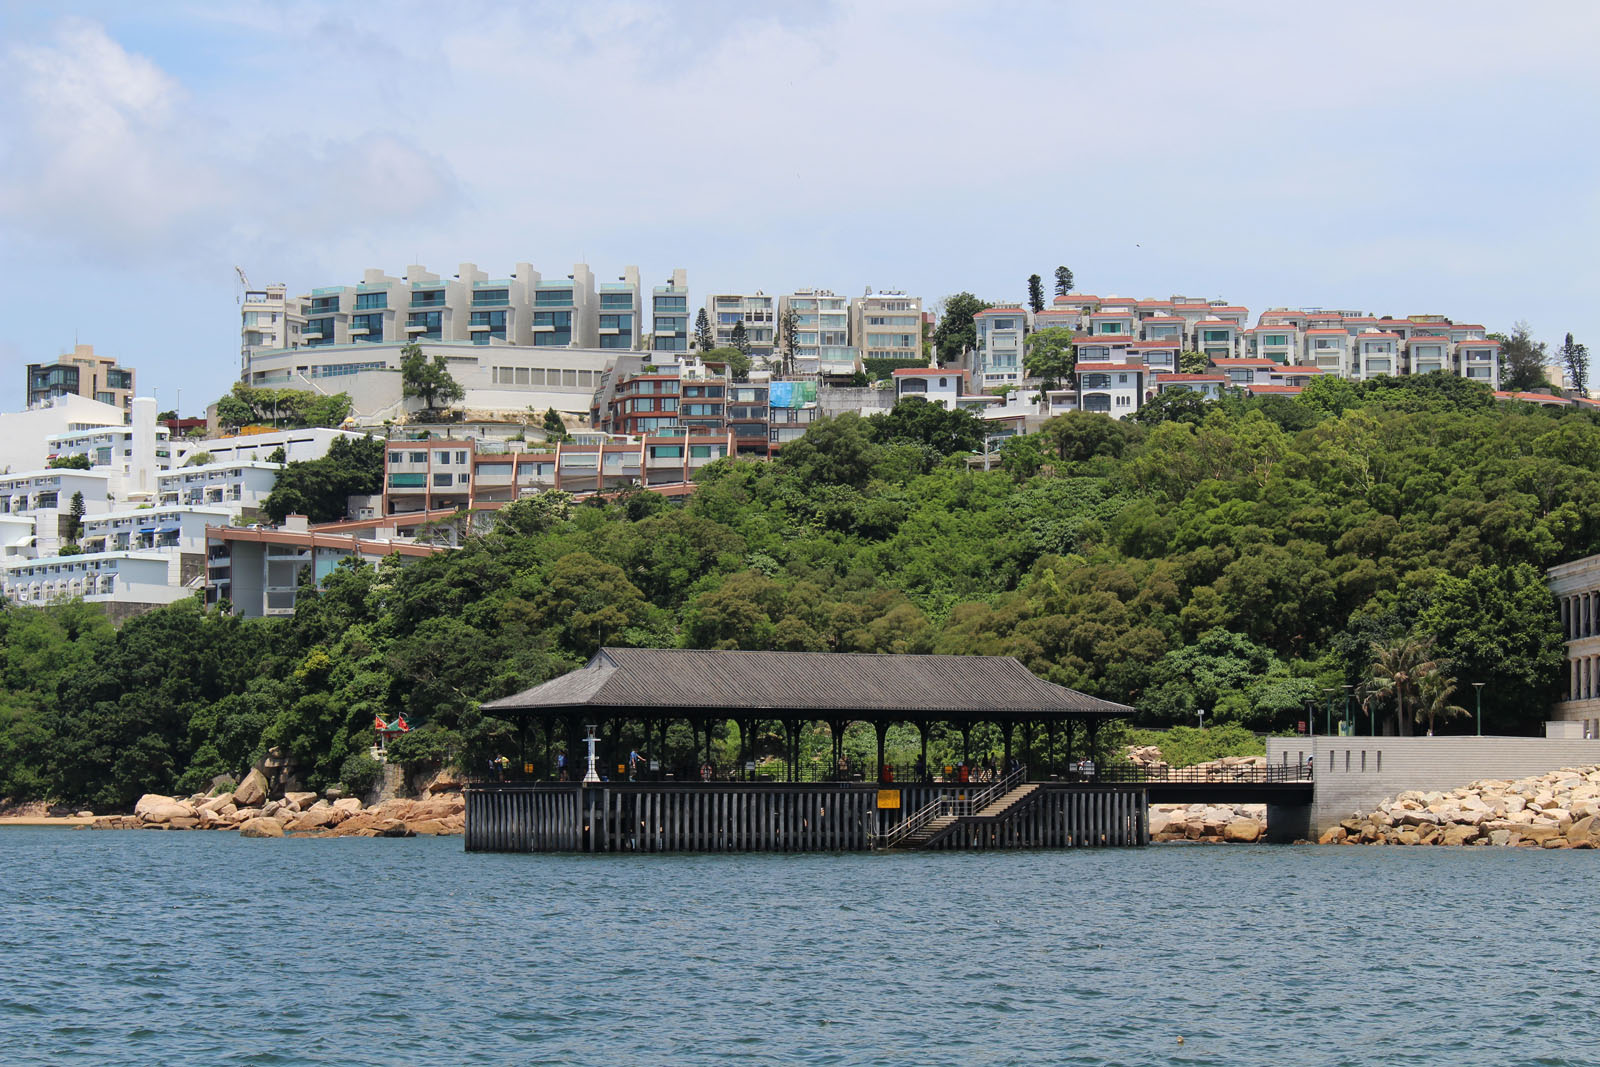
(135, 579)
(1115, 389)
(936, 386)
(268, 319)
(822, 332)
(758, 313)
(497, 378)
(1002, 332)
(887, 325)
(240, 486)
(309, 443)
(25, 435)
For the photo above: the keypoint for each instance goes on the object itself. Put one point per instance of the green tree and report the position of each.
(741, 338)
(167, 416)
(788, 336)
(330, 410)
(738, 362)
(1192, 362)
(1174, 405)
(278, 456)
(956, 332)
(1050, 356)
(555, 429)
(1397, 672)
(917, 420)
(430, 382)
(78, 461)
(1035, 293)
(75, 517)
(1522, 360)
(1063, 281)
(1433, 696)
(198, 459)
(1080, 435)
(1574, 358)
(836, 451)
(702, 332)
(320, 488)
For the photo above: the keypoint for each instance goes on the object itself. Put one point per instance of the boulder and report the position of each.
(1243, 830)
(1459, 834)
(252, 791)
(392, 828)
(1335, 836)
(1499, 838)
(261, 828)
(349, 804)
(300, 801)
(446, 781)
(1539, 834)
(318, 818)
(427, 827)
(217, 803)
(155, 808)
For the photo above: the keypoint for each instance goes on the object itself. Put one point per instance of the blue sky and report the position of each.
(1394, 158)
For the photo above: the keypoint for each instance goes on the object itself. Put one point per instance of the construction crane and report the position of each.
(244, 283)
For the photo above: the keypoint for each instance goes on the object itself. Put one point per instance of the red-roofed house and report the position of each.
(1159, 356)
(1209, 386)
(1105, 349)
(1245, 370)
(1427, 354)
(1117, 323)
(1377, 352)
(1280, 344)
(933, 384)
(1171, 328)
(1272, 389)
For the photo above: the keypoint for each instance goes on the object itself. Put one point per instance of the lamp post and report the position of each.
(1479, 687)
(1201, 712)
(1347, 691)
(1330, 690)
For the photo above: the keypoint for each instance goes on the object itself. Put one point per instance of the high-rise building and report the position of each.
(756, 311)
(81, 374)
(822, 332)
(887, 325)
(268, 319)
(669, 314)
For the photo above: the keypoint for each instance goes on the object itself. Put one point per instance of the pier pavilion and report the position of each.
(654, 687)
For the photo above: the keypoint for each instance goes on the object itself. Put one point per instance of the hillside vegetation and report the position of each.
(1235, 557)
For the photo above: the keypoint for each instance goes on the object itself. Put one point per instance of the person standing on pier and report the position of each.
(633, 765)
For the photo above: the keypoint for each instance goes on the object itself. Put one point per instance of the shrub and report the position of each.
(359, 773)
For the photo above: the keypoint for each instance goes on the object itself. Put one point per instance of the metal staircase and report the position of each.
(927, 826)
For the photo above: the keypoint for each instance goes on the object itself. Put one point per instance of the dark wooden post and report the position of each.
(1005, 729)
(1050, 760)
(881, 728)
(922, 728)
(1094, 744)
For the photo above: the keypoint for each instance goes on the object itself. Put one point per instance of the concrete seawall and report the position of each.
(1353, 774)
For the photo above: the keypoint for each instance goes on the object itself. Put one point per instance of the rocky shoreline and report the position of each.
(248, 809)
(1559, 809)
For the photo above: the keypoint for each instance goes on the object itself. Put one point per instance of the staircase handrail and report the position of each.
(947, 805)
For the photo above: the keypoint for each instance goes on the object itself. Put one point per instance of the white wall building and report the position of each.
(822, 332)
(25, 435)
(240, 486)
(1115, 389)
(936, 386)
(136, 579)
(1001, 334)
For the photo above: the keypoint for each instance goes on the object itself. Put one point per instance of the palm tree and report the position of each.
(1398, 670)
(1436, 690)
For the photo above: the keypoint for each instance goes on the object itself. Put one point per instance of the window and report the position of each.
(430, 321)
(427, 298)
(569, 378)
(699, 451)
(552, 327)
(442, 479)
(491, 325)
(552, 298)
(523, 376)
(461, 457)
(491, 297)
(1215, 335)
(365, 301)
(616, 322)
(1123, 401)
(616, 301)
(373, 324)
(666, 451)
(671, 303)
(444, 457)
(419, 457)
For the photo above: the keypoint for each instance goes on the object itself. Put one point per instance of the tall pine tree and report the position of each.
(1574, 359)
(702, 332)
(741, 339)
(1063, 281)
(1035, 293)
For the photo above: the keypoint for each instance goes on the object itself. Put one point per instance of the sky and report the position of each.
(1391, 158)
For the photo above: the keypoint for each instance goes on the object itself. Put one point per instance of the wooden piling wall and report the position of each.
(748, 817)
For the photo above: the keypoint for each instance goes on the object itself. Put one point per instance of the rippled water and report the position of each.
(208, 949)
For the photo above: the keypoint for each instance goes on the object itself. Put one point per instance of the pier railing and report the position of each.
(1127, 774)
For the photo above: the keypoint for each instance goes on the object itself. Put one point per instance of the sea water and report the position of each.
(204, 948)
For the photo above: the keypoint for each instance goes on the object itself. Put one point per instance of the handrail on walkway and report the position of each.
(947, 805)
